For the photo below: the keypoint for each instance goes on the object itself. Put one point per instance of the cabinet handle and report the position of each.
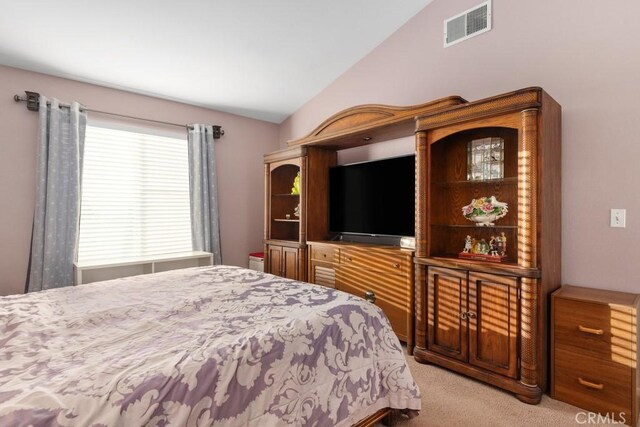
(463, 315)
(348, 258)
(324, 255)
(589, 384)
(471, 315)
(396, 265)
(370, 296)
(590, 330)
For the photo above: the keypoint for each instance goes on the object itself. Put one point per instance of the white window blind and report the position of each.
(135, 195)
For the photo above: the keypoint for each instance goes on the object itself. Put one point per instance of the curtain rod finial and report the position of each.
(33, 100)
(217, 131)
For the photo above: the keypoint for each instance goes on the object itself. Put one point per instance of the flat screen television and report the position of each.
(373, 198)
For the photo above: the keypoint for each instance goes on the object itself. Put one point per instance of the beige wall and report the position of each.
(239, 159)
(585, 53)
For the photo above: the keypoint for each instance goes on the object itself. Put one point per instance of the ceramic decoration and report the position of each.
(484, 211)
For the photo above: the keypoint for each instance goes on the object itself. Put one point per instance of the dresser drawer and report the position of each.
(324, 253)
(600, 330)
(592, 383)
(375, 261)
(586, 326)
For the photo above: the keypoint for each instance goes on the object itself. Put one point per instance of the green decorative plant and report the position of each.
(296, 184)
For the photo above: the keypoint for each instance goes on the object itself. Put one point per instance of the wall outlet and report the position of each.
(618, 218)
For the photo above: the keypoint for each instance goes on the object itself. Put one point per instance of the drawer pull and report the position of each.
(370, 296)
(396, 265)
(589, 384)
(349, 258)
(590, 330)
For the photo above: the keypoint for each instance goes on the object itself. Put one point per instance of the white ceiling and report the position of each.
(256, 58)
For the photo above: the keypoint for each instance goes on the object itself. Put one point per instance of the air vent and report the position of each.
(467, 24)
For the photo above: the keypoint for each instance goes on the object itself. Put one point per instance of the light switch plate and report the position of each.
(618, 218)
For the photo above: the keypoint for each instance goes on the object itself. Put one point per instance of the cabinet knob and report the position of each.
(463, 315)
(396, 265)
(349, 258)
(471, 315)
(370, 296)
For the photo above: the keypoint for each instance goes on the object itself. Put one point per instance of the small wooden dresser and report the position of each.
(594, 351)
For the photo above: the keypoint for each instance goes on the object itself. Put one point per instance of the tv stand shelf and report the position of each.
(380, 274)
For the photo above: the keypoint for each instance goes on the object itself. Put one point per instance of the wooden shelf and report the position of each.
(504, 181)
(285, 195)
(476, 227)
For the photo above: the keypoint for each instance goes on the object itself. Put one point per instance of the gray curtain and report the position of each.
(60, 150)
(203, 190)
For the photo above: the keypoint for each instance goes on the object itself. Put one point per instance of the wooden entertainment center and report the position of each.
(473, 297)
(382, 275)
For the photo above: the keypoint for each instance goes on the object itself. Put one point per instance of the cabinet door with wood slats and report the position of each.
(493, 323)
(323, 274)
(447, 307)
(290, 263)
(274, 257)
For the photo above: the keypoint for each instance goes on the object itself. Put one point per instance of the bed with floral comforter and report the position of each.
(198, 347)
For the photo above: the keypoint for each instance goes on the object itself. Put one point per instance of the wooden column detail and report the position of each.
(302, 238)
(420, 286)
(267, 201)
(529, 332)
(422, 183)
(527, 190)
(527, 244)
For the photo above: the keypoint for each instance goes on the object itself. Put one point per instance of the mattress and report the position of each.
(204, 346)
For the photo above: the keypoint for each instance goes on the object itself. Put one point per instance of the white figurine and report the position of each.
(468, 243)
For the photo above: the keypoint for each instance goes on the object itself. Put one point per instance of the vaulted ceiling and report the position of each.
(256, 58)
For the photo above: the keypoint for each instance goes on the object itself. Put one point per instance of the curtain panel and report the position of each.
(54, 241)
(203, 191)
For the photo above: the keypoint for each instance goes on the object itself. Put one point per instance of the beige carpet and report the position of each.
(450, 399)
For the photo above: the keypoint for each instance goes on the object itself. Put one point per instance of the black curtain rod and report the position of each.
(33, 104)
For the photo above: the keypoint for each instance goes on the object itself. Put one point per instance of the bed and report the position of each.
(198, 347)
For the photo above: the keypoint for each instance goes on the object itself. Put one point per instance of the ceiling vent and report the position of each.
(467, 24)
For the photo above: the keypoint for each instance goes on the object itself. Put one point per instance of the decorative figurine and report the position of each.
(468, 244)
(493, 246)
(480, 247)
(480, 250)
(296, 211)
(502, 244)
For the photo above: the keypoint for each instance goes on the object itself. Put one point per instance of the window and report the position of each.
(135, 195)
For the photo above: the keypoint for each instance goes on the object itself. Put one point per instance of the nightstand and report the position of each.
(594, 350)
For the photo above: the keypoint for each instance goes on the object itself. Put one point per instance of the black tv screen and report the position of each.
(375, 198)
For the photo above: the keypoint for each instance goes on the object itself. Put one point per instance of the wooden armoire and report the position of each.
(481, 316)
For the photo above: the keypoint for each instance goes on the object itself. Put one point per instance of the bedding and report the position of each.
(198, 347)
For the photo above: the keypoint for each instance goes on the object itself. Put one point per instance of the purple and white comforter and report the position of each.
(198, 347)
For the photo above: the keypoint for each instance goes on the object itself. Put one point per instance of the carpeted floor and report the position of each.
(450, 399)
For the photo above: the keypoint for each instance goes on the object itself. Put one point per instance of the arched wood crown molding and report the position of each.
(370, 123)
